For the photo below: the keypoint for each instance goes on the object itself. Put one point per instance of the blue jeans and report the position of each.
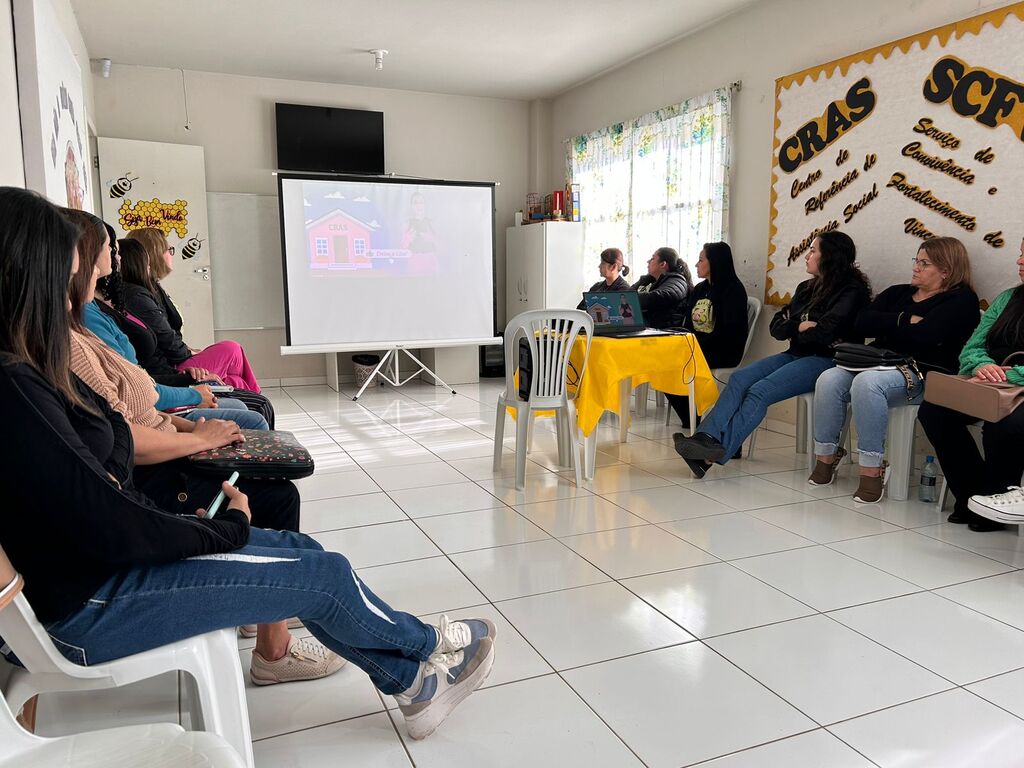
(872, 393)
(277, 575)
(230, 410)
(744, 402)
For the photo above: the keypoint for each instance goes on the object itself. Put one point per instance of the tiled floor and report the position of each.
(745, 620)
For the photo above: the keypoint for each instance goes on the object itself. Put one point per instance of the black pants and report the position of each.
(177, 487)
(967, 473)
(681, 405)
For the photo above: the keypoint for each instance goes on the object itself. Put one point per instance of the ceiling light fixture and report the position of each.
(103, 65)
(378, 58)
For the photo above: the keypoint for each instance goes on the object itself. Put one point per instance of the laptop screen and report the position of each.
(615, 309)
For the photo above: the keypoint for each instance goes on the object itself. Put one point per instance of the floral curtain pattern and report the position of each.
(661, 179)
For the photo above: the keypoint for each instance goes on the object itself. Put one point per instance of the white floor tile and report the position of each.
(639, 450)
(825, 670)
(715, 599)
(945, 637)
(538, 487)
(684, 704)
(768, 439)
(952, 730)
(1004, 546)
(920, 559)
(822, 521)
(817, 749)
(906, 514)
(771, 460)
(636, 551)
(278, 709)
(535, 722)
(584, 514)
(526, 569)
(582, 626)
(623, 477)
(735, 535)
(444, 500)
(824, 579)
(1006, 691)
(365, 741)
(845, 483)
(336, 484)
(1001, 597)
(748, 492)
(349, 512)
(659, 505)
(481, 529)
(482, 468)
(373, 545)
(422, 586)
(415, 476)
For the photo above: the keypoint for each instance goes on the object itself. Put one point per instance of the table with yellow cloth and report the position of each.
(672, 364)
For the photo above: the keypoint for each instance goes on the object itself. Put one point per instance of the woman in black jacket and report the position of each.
(663, 290)
(612, 271)
(109, 573)
(929, 319)
(823, 311)
(716, 314)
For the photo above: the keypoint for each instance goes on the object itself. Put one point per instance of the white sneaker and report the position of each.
(458, 666)
(1002, 507)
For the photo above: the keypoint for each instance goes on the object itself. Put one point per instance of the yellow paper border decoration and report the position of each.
(959, 29)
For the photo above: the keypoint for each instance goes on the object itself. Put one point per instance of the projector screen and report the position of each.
(385, 261)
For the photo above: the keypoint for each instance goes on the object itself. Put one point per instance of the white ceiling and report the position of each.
(520, 49)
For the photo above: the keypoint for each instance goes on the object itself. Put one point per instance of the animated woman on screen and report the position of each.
(419, 238)
(625, 310)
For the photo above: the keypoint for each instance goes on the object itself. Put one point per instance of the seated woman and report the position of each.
(663, 290)
(823, 311)
(984, 486)
(127, 335)
(110, 573)
(93, 354)
(716, 314)
(612, 270)
(145, 298)
(929, 319)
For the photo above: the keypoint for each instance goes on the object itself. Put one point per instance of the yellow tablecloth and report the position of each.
(666, 362)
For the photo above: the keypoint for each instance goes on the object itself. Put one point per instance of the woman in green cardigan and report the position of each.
(986, 489)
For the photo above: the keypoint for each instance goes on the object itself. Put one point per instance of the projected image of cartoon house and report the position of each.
(338, 240)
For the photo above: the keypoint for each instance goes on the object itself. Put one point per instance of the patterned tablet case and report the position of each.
(263, 456)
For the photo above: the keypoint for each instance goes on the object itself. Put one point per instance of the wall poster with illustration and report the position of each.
(53, 121)
(920, 138)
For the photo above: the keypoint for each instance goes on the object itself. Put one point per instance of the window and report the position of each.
(661, 179)
(321, 246)
(360, 246)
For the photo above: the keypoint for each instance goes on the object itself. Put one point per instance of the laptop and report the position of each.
(618, 314)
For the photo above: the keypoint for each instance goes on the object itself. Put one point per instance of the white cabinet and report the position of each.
(544, 267)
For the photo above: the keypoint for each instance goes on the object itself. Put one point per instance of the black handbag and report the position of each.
(263, 456)
(864, 357)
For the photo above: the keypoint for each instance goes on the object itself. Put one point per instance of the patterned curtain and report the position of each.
(661, 179)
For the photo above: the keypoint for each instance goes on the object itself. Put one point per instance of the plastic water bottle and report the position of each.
(927, 491)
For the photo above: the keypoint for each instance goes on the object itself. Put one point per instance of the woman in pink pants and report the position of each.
(142, 270)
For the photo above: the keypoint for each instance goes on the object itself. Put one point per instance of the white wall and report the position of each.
(232, 117)
(757, 45)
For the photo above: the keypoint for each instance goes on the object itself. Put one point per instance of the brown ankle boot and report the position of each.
(870, 489)
(825, 473)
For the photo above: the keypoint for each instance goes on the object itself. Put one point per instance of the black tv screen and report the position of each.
(329, 139)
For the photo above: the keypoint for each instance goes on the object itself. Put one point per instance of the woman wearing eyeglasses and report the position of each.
(224, 362)
(929, 319)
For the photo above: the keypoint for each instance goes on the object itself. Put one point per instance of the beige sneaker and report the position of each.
(249, 630)
(306, 659)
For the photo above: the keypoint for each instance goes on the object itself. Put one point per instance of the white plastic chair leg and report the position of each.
(901, 450)
(693, 408)
(577, 460)
(625, 390)
(524, 420)
(642, 392)
(499, 434)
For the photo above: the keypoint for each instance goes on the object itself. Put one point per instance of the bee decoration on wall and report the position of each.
(122, 186)
(192, 246)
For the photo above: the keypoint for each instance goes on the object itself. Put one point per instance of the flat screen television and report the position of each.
(329, 139)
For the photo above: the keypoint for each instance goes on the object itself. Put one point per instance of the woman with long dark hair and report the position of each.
(716, 314)
(663, 290)
(822, 311)
(109, 573)
(928, 319)
(986, 489)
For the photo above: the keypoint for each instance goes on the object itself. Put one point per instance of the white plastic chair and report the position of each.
(550, 335)
(722, 374)
(211, 660)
